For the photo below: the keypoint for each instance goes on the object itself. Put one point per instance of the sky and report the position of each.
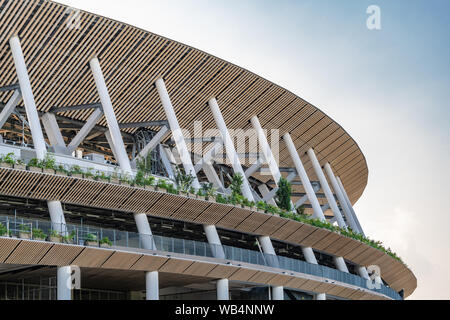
(388, 88)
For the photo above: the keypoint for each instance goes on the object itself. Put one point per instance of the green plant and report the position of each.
(69, 237)
(101, 176)
(162, 184)
(34, 163)
(139, 179)
(54, 234)
(76, 170)
(208, 190)
(106, 240)
(25, 228)
(3, 230)
(261, 205)
(284, 194)
(184, 181)
(145, 164)
(49, 162)
(221, 199)
(10, 158)
(236, 185)
(90, 237)
(39, 234)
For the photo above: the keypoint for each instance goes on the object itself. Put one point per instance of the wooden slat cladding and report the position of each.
(137, 200)
(57, 50)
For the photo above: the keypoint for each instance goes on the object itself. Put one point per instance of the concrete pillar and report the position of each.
(340, 197)
(145, 232)
(362, 271)
(152, 285)
(309, 255)
(87, 128)
(350, 206)
(57, 217)
(318, 213)
(321, 296)
(223, 290)
(177, 134)
(326, 188)
(113, 126)
(340, 264)
(64, 280)
(53, 132)
(269, 251)
(277, 293)
(28, 98)
(232, 155)
(214, 241)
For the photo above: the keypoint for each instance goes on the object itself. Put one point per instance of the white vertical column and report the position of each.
(214, 241)
(145, 232)
(57, 217)
(110, 116)
(223, 290)
(326, 188)
(321, 296)
(341, 197)
(318, 213)
(277, 293)
(176, 132)
(152, 285)
(28, 98)
(63, 283)
(350, 205)
(232, 155)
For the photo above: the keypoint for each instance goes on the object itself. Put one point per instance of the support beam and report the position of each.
(223, 293)
(76, 108)
(309, 255)
(54, 133)
(212, 177)
(85, 130)
(28, 98)
(168, 161)
(153, 143)
(355, 218)
(265, 192)
(278, 293)
(321, 296)
(152, 286)
(340, 264)
(133, 125)
(254, 168)
(326, 188)
(230, 149)
(177, 134)
(362, 271)
(9, 107)
(63, 283)
(318, 213)
(145, 232)
(305, 198)
(57, 217)
(114, 130)
(341, 198)
(211, 154)
(214, 241)
(269, 251)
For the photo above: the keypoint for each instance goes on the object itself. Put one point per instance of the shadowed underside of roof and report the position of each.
(57, 47)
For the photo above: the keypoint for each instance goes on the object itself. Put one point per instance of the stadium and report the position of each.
(135, 167)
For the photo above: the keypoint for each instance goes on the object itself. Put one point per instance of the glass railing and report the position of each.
(91, 236)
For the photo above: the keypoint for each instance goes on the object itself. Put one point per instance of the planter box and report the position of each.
(123, 183)
(34, 169)
(38, 239)
(25, 235)
(77, 175)
(91, 243)
(61, 173)
(247, 208)
(49, 171)
(151, 188)
(191, 195)
(260, 211)
(6, 165)
(55, 239)
(20, 167)
(276, 215)
(115, 181)
(105, 245)
(211, 200)
(201, 198)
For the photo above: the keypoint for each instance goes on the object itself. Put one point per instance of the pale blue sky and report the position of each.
(389, 89)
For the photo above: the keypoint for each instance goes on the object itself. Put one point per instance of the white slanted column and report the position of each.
(362, 271)
(55, 208)
(64, 283)
(28, 98)
(152, 285)
(145, 232)
(113, 126)
(350, 206)
(269, 251)
(265, 192)
(341, 198)
(232, 155)
(214, 241)
(318, 213)
(177, 134)
(9, 107)
(83, 133)
(311, 258)
(223, 291)
(326, 188)
(54, 133)
(340, 264)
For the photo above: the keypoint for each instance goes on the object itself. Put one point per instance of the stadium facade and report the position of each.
(113, 140)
